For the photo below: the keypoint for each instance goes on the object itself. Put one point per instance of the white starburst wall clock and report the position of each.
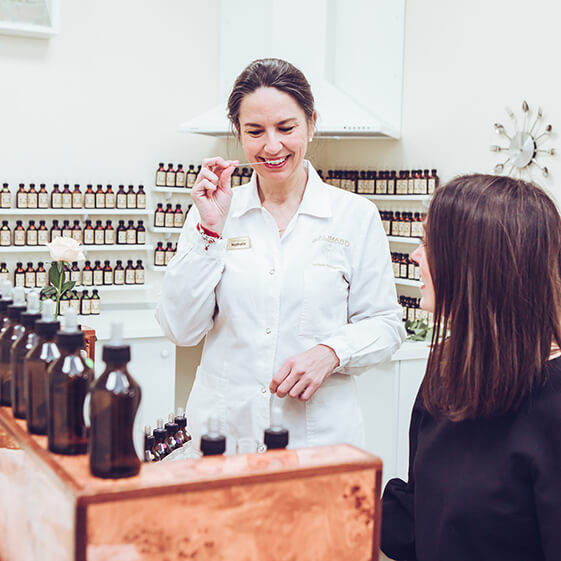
(525, 143)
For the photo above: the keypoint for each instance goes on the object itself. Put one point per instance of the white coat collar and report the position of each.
(314, 202)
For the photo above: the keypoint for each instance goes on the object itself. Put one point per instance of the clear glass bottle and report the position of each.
(213, 443)
(10, 332)
(69, 380)
(114, 404)
(35, 365)
(276, 436)
(22, 345)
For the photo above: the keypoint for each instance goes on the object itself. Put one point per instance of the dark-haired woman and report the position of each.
(288, 278)
(485, 437)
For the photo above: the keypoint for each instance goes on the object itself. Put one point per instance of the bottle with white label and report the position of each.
(170, 176)
(75, 273)
(141, 197)
(89, 233)
(159, 216)
(180, 176)
(40, 275)
(30, 276)
(99, 197)
(169, 217)
(56, 197)
(140, 233)
(192, 176)
(119, 273)
(99, 233)
(131, 197)
(121, 233)
(5, 197)
(19, 233)
(178, 216)
(31, 234)
(109, 233)
(161, 175)
(66, 197)
(432, 182)
(5, 234)
(87, 274)
(85, 304)
(139, 272)
(121, 197)
(95, 303)
(56, 230)
(77, 234)
(77, 199)
(42, 234)
(89, 197)
(21, 197)
(129, 273)
(109, 197)
(107, 273)
(32, 197)
(97, 274)
(4, 275)
(42, 197)
(131, 233)
(19, 275)
(159, 255)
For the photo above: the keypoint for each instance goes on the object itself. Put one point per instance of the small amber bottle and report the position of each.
(66, 197)
(109, 197)
(115, 399)
(19, 275)
(32, 197)
(30, 277)
(99, 233)
(182, 435)
(35, 366)
(129, 273)
(159, 254)
(141, 197)
(159, 216)
(8, 336)
(131, 197)
(56, 197)
(89, 197)
(77, 198)
(139, 272)
(31, 234)
(99, 197)
(161, 175)
(42, 234)
(22, 345)
(88, 233)
(5, 234)
(5, 196)
(170, 176)
(121, 197)
(69, 380)
(160, 434)
(140, 233)
(21, 197)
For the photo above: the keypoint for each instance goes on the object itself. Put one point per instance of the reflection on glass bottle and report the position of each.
(10, 332)
(23, 344)
(69, 382)
(35, 366)
(114, 403)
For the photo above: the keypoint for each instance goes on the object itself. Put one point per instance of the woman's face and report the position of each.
(427, 289)
(274, 129)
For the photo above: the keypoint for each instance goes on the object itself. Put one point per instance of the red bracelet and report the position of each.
(206, 231)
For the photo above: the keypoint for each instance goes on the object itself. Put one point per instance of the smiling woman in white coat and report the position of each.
(288, 278)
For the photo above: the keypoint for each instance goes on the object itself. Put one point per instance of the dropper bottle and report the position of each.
(12, 330)
(160, 434)
(69, 379)
(182, 435)
(171, 428)
(150, 455)
(276, 436)
(35, 366)
(6, 300)
(114, 403)
(213, 443)
(23, 344)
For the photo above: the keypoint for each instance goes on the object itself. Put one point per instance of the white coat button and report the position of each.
(263, 389)
(272, 272)
(268, 331)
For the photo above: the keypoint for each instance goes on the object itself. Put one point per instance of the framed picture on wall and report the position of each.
(29, 18)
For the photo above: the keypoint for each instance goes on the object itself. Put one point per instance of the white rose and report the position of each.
(65, 249)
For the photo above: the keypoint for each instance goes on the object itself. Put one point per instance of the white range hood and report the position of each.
(328, 40)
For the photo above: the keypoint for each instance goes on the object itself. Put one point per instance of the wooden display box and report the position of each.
(313, 504)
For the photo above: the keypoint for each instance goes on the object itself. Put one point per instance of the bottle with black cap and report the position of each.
(150, 455)
(22, 345)
(6, 300)
(171, 439)
(11, 331)
(113, 406)
(182, 433)
(276, 436)
(69, 380)
(35, 365)
(213, 443)
(160, 434)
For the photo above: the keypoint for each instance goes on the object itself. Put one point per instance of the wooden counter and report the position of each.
(312, 504)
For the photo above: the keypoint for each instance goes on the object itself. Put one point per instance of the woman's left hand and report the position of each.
(301, 375)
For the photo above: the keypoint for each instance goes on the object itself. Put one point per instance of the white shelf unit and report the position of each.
(161, 230)
(101, 288)
(86, 248)
(401, 239)
(173, 190)
(404, 198)
(407, 282)
(46, 212)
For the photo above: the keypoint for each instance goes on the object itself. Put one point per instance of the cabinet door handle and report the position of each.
(164, 353)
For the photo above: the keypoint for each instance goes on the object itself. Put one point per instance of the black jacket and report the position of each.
(484, 490)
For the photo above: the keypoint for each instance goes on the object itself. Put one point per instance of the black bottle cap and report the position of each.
(213, 444)
(160, 434)
(45, 328)
(28, 319)
(116, 353)
(171, 427)
(276, 438)
(70, 339)
(15, 311)
(181, 421)
(149, 441)
(4, 303)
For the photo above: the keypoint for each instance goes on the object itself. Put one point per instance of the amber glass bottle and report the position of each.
(22, 345)
(69, 379)
(8, 336)
(35, 366)
(114, 403)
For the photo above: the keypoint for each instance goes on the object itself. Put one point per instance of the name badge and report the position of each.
(243, 242)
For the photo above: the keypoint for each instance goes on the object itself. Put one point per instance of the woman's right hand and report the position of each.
(212, 192)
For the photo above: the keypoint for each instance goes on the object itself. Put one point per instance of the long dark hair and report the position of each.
(493, 247)
(270, 73)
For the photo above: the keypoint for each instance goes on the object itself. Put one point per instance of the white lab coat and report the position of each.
(327, 280)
